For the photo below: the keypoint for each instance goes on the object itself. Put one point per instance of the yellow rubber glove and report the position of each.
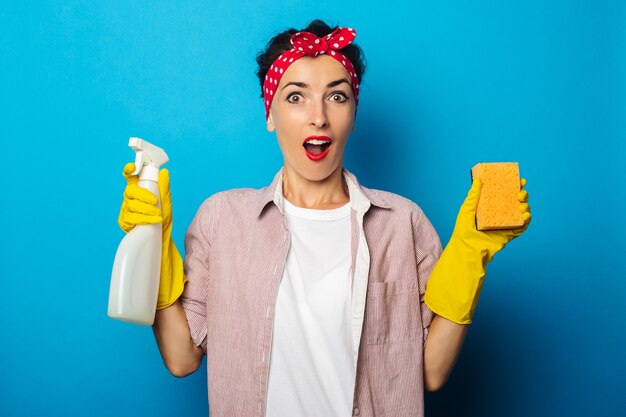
(453, 289)
(139, 207)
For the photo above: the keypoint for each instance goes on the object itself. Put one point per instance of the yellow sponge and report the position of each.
(498, 204)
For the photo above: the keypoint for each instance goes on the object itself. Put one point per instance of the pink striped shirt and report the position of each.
(236, 248)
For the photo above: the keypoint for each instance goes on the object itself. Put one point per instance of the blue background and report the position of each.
(449, 84)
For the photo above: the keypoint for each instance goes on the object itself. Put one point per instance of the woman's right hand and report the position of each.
(140, 207)
(171, 329)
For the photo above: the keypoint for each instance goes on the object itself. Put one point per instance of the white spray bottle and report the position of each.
(137, 266)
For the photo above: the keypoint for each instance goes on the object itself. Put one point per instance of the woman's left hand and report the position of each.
(453, 289)
(486, 242)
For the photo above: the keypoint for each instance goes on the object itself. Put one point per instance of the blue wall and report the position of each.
(449, 84)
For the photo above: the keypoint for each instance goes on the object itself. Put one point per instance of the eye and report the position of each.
(338, 97)
(294, 98)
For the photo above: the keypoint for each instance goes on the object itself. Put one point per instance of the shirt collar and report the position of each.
(361, 198)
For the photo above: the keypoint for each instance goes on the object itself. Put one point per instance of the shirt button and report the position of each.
(356, 411)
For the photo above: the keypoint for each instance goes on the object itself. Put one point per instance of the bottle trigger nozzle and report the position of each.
(147, 155)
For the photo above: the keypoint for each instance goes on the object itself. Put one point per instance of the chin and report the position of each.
(319, 172)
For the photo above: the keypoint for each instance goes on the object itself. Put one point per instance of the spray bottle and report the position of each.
(137, 266)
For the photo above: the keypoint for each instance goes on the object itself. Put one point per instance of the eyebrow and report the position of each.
(305, 85)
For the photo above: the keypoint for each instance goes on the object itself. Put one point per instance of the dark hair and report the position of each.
(280, 43)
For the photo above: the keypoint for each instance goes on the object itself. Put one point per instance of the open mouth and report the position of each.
(317, 147)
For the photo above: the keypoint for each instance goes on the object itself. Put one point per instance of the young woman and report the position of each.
(309, 297)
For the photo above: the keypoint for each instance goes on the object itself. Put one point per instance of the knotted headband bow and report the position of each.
(308, 44)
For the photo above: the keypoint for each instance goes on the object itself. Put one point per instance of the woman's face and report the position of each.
(313, 114)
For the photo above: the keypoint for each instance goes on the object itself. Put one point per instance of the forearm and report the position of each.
(171, 331)
(443, 346)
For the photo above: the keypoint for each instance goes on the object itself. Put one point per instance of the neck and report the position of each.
(326, 194)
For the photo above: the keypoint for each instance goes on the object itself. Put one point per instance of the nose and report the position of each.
(318, 117)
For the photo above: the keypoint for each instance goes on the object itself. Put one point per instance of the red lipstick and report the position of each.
(317, 147)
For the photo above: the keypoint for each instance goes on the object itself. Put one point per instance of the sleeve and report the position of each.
(427, 252)
(197, 252)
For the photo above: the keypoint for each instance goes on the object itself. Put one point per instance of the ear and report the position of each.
(270, 123)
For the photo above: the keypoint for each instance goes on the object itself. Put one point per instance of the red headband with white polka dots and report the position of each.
(308, 44)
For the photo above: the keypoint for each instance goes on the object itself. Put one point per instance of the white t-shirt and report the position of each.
(311, 371)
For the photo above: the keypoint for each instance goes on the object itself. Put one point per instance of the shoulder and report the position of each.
(391, 208)
(402, 219)
(393, 203)
(237, 199)
(385, 202)
(228, 210)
